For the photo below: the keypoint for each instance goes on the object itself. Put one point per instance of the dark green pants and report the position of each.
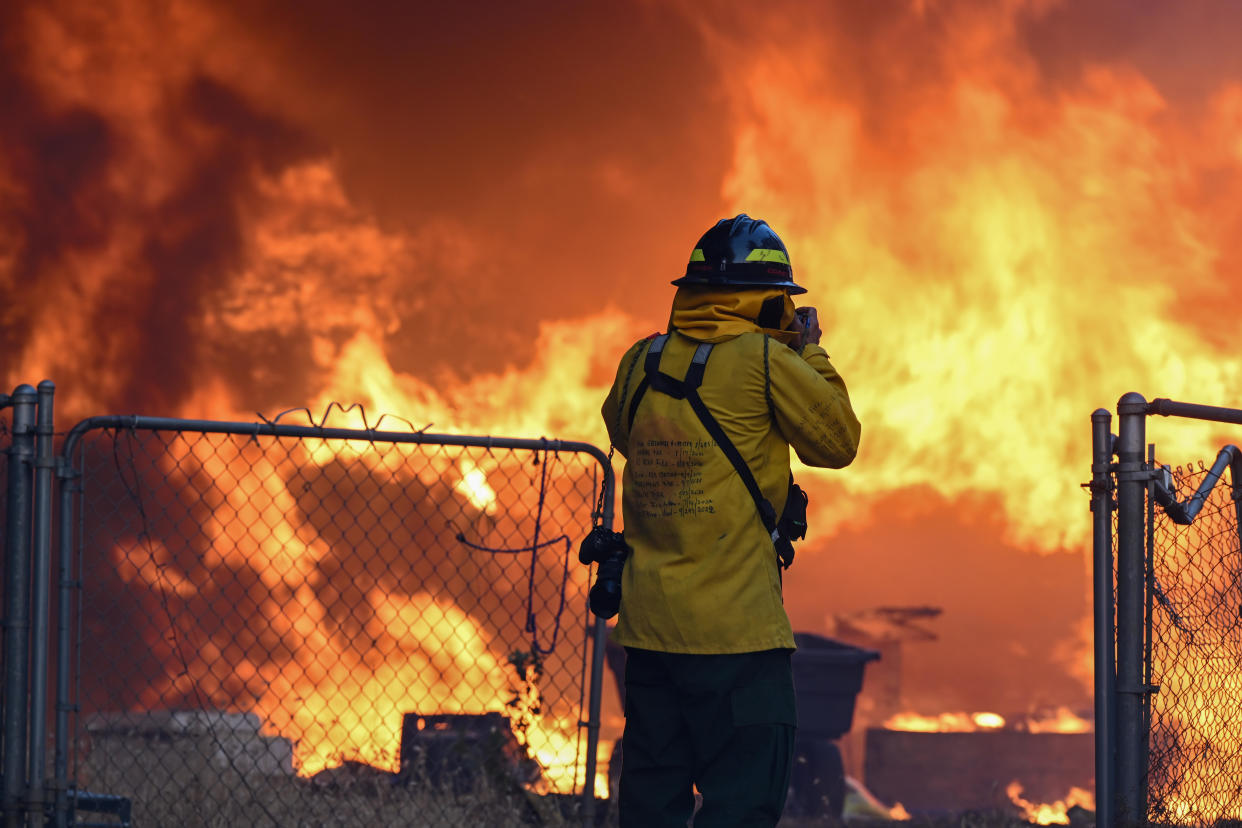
(722, 723)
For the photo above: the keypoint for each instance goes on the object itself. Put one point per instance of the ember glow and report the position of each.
(1009, 214)
(1056, 813)
(945, 722)
(1063, 720)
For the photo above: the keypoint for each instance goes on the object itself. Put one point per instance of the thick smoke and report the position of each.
(501, 181)
(127, 218)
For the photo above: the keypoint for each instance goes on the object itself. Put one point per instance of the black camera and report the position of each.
(609, 550)
(792, 525)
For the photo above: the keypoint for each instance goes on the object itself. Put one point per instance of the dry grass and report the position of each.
(171, 788)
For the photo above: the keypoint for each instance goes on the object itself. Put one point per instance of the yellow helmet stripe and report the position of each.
(763, 254)
(697, 255)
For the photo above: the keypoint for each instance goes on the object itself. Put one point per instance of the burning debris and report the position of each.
(947, 771)
(1075, 809)
(452, 753)
(946, 761)
(455, 751)
(1062, 720)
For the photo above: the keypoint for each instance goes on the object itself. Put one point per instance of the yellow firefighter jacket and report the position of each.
(703, 575)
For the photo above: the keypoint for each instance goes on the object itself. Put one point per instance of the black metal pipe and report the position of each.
(1169, 408)
(1102, 580)
(599, 641)
(17, 604)
(5, 402)
(1149, 593)
(1184, 514)
(1235, 484)
(1132, 479)
(67, 477)
(40, 596)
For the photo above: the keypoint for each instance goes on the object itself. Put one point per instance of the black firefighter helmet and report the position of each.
(740, 252)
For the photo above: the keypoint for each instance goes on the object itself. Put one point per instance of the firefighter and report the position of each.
(705, 417)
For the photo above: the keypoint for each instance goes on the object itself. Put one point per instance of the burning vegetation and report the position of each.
(1009, 214)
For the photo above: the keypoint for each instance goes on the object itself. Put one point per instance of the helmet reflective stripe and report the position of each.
(740, 253)
(760, 254)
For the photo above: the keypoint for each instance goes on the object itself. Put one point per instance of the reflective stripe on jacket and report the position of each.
(703, 575)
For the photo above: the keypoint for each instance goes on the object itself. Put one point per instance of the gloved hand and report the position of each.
(806, 322)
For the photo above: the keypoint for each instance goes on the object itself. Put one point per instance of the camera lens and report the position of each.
(594, 546)
(599, 545)
(606, 594)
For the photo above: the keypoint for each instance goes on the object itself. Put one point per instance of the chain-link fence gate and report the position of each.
(276, 624)
(1168, 617)
(1195, 762)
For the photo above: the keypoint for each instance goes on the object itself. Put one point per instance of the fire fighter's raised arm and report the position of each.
(813, 408)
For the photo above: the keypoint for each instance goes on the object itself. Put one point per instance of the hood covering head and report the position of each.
(712, 314)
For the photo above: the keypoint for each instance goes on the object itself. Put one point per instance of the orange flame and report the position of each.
(332, 700)
(1056, 813)
(1062, 720)
(964, 277)
(945, 722)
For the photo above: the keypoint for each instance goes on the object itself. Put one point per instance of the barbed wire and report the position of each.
(343, 409)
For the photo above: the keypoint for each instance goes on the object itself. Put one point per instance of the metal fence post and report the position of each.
(1235, 486)
(1131, 543)
(1105, 620)
(17, 603)
(65, 644)
(599, 640)
(40, 582)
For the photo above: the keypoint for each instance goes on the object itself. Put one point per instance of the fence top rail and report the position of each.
(1194, 411)
(134, 422)
(137, 422)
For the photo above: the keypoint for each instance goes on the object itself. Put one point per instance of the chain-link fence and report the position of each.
(342, 629)
(1168, 625)
(1194, 770)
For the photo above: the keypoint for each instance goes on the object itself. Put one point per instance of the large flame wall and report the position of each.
(1010, 214)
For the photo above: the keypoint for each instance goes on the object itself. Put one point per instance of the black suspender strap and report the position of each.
(651, 367)
(661, 381)
(688, 389)
(766, 511)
